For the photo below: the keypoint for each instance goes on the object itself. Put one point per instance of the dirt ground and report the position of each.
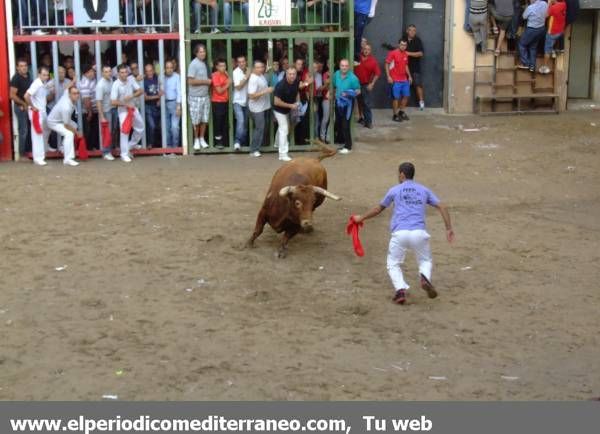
(158, 300)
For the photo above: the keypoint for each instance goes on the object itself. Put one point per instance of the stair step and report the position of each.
(482, 83)
(543, 89)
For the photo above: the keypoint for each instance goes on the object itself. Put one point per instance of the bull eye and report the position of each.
(298, 204)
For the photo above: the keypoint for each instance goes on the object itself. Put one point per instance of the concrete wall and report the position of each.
(596, 60)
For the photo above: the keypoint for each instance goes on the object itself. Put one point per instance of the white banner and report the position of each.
(270, 13)
(96, 13)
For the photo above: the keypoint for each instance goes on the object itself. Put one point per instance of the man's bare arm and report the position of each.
(446, 216)
(374, 212)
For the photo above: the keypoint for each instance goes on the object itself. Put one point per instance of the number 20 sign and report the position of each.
(270, 13)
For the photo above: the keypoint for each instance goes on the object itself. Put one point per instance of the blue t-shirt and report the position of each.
(151, 88)
(409, 199)
(362, 6)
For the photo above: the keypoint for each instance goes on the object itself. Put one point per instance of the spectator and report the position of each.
(197, 17)
(128, 12)
(283, 67)
(56, 93)
(125, 61)
(172, 90)
(124, 90)
(285, 100)
(478, 20)
(33, 13)
(36, 97)
(198, 100)
(398, 76)
(259, 104)
(347, 87)
(19, 83)
(368, 72)
(302, 124)
(228, 13)
(321, 99)
(415, 52)
(68, 62)
(535, 14)
(362, 9)
(501, 16)
(147, 15)
(59, 120)
(241, 75)
(274, 74)
(220, 102)
(104, 106)
(152, 95)
(87, 86)
(135, 73)
(71, 73)
(60, 11)
(557, 11)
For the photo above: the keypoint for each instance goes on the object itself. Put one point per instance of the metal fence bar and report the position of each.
(331, 67)
(98, 58)
(230, 104)
(311, 100)
(161, 81)
(250, 66)
(140, 62)
(34, 65)
(210, 129)
(77, 60)
(292, 128)
(57, 95)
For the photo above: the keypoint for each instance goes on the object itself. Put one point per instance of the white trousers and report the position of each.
(39, 142)
(68, 141)
(138, 129)
(400, 242)
(282, 132)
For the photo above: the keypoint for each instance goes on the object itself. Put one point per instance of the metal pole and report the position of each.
(211, 134)
(292, 128)
(230, 104)
(34, 66)
(140, 59)
(98, 77)
(183, 22)
(119, 54)
(78, 77)
(12, 69)
(57, 95)
(331, 67)
(312, 113)
(161, 80)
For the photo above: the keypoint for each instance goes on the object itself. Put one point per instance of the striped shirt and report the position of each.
(87, 87)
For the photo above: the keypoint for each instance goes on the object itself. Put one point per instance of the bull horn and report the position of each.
(286, 190)
(325, 193)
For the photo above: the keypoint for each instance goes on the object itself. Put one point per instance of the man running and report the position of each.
(408, 229)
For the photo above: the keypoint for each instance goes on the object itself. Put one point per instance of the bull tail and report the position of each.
(326, 151)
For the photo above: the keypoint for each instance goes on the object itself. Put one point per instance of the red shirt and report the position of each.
(367, 69)
(558, 15)
(219, 79)
(400, 62)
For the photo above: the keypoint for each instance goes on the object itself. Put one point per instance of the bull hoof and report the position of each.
(281, 253)
(249, 244)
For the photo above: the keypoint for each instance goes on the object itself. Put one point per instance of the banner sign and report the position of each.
(96, 13)
(270, 13)
(301, 417)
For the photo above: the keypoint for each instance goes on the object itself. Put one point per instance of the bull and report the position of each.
(296, 190)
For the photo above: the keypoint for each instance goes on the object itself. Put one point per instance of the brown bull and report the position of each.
(296, 190)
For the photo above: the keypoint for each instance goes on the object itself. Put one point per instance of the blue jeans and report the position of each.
(259, 130)
(129, 13)
(331, 12)
(24, 137)
(301, 4)
(228, 14)
(197, 20)
(153, 125)
(360, 22)
(36, 20)
(172, 125)
(528, 45)
(550, 41)
(241, 123)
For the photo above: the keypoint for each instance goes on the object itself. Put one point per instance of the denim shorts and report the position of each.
(550, 41)
(400, 89)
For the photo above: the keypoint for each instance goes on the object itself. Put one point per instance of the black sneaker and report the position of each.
(397, 118)
(428, 287)
(361, 121)
(399, 297)
(404, 116)
(532, 69)
(369, 126)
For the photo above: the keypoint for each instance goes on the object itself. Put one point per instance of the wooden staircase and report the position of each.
(501, 88)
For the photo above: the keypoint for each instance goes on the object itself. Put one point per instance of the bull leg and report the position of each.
(287, 236)
(261, 221)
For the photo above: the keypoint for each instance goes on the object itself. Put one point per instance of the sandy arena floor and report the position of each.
(159, 301)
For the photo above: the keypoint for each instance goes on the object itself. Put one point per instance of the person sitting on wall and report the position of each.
(220, 102)
(212, 10)
(229, 7)
(398, 76)
(501, 15)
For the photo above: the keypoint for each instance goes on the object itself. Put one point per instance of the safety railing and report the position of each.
(41, 17)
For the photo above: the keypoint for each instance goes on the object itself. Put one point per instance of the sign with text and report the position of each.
(96, 13)
(270, 13)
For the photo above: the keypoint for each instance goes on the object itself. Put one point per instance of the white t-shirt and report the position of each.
(39, 94)
(239, 96)
(257, 83)
(121, 90)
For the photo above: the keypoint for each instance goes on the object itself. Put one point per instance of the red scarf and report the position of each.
(35, 120)
(106, 136)
(352, 229)
(128, 122)
(81, 148)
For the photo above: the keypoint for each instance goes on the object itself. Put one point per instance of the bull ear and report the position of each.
(287, 190)
(325, 193)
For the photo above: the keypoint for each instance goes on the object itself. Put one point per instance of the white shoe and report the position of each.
(421, 105)
(203, 143)
(215, 31)
(40, 162)
(138, 146)
(196, 144)
(125, 159)
(70, 163)
(344, 151)
(39, 32)
(197, 32)
(284, 157)
(255, 154)
(237, 146)
(51, 149)
(544, 70)
(108, 157)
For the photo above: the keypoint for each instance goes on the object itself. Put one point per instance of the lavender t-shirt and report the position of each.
(410, 199)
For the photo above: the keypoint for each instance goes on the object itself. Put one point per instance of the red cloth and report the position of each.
(558, 17)
(352, 229)
(106, 136)
(128, 122)
(367, 69)
(69, 19)
(82, 151)
(400, 60)
(35, 120)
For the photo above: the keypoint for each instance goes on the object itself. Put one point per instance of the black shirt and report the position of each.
(21, 83)
(414, 45)
(286, 92)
